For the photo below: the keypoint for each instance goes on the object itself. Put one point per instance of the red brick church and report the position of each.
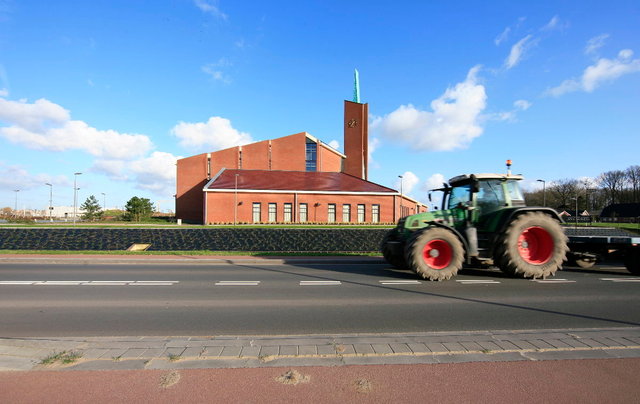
(295, 178)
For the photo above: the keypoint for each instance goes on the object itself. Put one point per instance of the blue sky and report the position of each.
(119, 89)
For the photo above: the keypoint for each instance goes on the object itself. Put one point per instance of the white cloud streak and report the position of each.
(210, 7)
(519, 50)
(594, 44)
(453, 123)
(604, 70)
(217, 134)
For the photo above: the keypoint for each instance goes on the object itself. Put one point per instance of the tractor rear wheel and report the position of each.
(632, 260)
(434, 253)
(533, 246)
(394, 256)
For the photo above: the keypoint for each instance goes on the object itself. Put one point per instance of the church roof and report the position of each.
(292, 181)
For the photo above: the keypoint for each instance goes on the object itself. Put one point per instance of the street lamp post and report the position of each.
(50, 200)
(104, 201)
(235, 202)
(544, 192)
(75, 196)
(576, 198)
(15, 210)
(401, 181)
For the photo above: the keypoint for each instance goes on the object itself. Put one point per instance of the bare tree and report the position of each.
(563, 191)
(633, 178)
(613, 184)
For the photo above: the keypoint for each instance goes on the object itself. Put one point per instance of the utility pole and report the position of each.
(50, 201)
(75, 196)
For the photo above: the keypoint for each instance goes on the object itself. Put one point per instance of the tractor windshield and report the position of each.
(490, 198)
(458, 195)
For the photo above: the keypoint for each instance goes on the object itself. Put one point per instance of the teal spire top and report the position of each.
(356, 87)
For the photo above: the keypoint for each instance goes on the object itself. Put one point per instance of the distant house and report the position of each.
(621, 212)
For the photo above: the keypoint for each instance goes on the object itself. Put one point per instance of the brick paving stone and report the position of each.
(345, 349)
(635, 340)
(326, 350)
(418, 347)
(152, 353)
(307, 350)
(173, 352)
(400, 348)
(362, 349)
(540, 344)
(94, 353)
(382, 348)
(436, 347)
(114, 353)
(471, 346)
(557, 344)
(289, 350)
(506, 345)
(622, 341)
(133, 353)
(575, 343)
(233, 351)
(592, 343)
(490, 346)
(193, 352)
(249, 351)
(453, 347)
(269, 351)
(211, 351)
(524, 345)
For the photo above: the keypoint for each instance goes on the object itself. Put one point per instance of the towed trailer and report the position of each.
(590, 245)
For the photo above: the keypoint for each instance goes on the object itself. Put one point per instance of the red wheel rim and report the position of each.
(437, 254)
(535, 245)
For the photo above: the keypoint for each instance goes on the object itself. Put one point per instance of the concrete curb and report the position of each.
(104, 353)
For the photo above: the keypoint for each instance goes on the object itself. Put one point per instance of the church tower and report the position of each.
(356, 134)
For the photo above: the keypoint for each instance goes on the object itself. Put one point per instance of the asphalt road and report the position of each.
(267, 299)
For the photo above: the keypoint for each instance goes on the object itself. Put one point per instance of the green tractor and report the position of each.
(484, 221)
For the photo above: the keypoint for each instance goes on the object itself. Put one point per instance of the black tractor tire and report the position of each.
(434, 253)
(394, 258)
(632, 260)
(532, 246)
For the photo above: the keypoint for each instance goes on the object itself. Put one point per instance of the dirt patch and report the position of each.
(363, 386)
(293, 377)
(169, 379)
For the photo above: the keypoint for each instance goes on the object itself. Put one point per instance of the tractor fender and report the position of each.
(506, 219)
(458, 235)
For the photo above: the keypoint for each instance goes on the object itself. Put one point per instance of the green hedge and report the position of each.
(272, 240)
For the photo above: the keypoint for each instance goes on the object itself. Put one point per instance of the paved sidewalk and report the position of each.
(130, 353)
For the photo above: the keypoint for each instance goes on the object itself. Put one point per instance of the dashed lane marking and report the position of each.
(237, 283)
(90, 283)
(402, 282)
(475, 281)
(617, 280)
(320, 283)
(552, 281)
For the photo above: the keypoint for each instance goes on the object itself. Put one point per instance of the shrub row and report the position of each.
(272, 240)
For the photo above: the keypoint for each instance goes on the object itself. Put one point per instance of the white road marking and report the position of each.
(17, 282)
(60, 283)
(408, 282)
(237, 283)
(320, 283)
(552, 281)
(475, 281)
(153, 283)
(621, 279)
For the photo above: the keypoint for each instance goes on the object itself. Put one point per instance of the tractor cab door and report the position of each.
(489, 198)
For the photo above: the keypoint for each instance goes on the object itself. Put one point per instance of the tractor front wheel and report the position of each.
(394, 256)
(532, 246)
(434, 253)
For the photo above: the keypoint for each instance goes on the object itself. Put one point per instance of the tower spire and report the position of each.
(356, 86)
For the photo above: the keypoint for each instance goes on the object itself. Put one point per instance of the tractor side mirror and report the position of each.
(475, 184)
(430, 197)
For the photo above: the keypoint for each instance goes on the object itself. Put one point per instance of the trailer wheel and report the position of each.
(391, 255)
(583, 263)
(434, 253)
(632, 260)
(532, 246)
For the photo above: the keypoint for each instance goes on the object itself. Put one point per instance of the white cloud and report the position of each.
(518, 51)
(217, 133)
(595, 43)
(522, 105)
(156, 173)
(604, 70)
(4, 92)
(408, 181)
(453, 124)
(14, 177)
(503, 36)
(553, 24)
(210, 7)
(45, 125)
(335, 144)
